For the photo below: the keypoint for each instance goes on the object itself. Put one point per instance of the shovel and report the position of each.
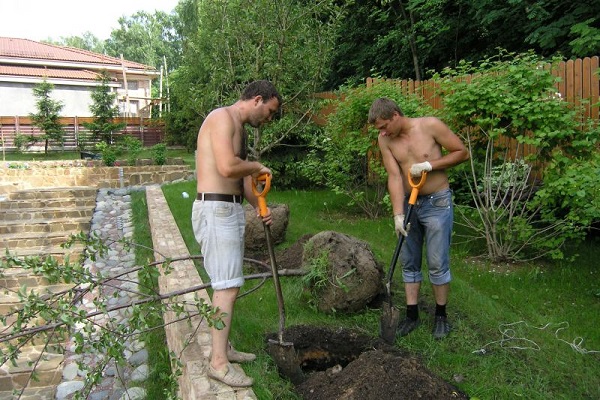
(281, 351)
(390, 316)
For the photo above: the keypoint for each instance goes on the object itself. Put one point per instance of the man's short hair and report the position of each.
(383, 108)
(262, 88)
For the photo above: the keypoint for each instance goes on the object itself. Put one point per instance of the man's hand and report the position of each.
(268, 218)
(417, 169)
(261, 171)
(399, 225)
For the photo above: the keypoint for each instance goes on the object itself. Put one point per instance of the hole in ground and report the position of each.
(347, 364)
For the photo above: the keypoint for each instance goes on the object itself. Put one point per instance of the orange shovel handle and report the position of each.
(262, 196)
(415, 187)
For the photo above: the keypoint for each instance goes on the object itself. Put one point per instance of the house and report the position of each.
(73, 72)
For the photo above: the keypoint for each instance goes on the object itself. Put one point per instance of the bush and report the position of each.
(132, 147)
(159, 153)
(109, 153)
(525, 205)
(23, 141)
(346, 158)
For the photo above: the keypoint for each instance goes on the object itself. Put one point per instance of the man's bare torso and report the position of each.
(221, 124)
(414, 145)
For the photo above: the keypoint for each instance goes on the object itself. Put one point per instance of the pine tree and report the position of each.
(104, 111)
(48, 114)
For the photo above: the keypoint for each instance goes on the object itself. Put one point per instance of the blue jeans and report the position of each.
(430, 224)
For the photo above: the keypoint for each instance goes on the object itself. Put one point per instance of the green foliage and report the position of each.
(86, 42)
(232, 43)
(47, 115)
(109, 153)
(317, 277)
(149, 39)
(22, 141)
(508, 105)
(159, 153)
(587, 38)
(346, 158)
(132, 147)
(105, 110)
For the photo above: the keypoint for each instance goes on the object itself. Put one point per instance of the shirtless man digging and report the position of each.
(224, 180)
(417, 145)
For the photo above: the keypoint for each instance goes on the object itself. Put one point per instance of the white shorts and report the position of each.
(219, 228)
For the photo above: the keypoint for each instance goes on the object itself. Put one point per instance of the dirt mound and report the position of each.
(345, 364)
(378, 374)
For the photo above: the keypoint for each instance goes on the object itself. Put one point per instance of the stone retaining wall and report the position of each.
(189, 339)
(19, 175)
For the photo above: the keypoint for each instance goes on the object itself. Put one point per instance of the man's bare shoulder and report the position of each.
(428, 121)
(219, 114)
(219, 119)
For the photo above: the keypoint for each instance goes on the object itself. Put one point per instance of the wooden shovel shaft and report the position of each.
(276, 282)
(411, 202)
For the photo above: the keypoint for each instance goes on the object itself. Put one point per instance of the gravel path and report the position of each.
(112, 220)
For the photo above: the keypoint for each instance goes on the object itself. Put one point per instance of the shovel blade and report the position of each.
(390, 317)
(286, 359)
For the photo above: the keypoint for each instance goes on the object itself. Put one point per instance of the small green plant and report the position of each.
(23, 141)
(83, 141)
(159, 153)
(132, 147)
(109, 153)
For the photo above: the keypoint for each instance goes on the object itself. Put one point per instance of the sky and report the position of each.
(43, 19)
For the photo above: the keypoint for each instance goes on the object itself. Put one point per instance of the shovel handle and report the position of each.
(411, 202)
(262, 196)
(415, 187)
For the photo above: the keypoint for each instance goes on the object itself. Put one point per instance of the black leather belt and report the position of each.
(231, 198)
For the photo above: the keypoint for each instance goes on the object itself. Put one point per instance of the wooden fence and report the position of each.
(148, 131)
(579, 81)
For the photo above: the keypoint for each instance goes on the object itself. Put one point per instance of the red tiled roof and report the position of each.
(28, 49)
(48, 72)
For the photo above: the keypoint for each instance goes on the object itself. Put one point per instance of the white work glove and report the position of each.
(417, 169)
(399, 225)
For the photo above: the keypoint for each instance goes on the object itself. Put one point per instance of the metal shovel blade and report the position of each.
(390, 318)
(286, 359)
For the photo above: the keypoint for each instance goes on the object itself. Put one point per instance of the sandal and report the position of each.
(230, 376)
(239, 356)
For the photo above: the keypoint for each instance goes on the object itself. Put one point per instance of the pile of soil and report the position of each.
(345, 364)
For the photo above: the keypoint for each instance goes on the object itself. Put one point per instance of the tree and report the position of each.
(104, 109)
(47, 114)
(86, 42)
(235, 42)
(149, 39)
(45, 317)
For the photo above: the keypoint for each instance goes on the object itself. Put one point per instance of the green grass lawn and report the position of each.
(519, 331)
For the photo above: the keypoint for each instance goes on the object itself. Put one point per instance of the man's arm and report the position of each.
(395, 178)
(222, 129)
(449, 141)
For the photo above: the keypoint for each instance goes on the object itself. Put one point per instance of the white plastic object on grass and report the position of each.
(185, 195)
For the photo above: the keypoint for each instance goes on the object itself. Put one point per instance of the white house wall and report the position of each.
(16, 98)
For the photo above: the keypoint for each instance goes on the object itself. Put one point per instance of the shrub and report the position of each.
(508, 104)
(346, 158)
(23, 141)
(109, 153)
(159, 153)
